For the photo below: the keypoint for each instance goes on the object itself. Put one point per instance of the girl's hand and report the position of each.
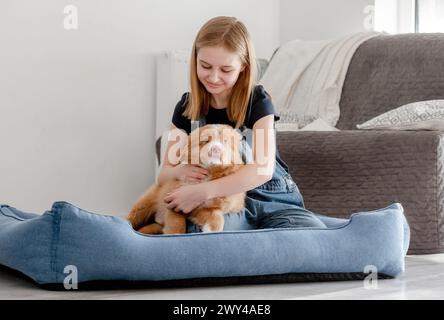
(190, 173)
(185, 199)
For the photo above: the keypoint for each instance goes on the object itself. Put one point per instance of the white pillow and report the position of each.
(286, 126)
(421, 115)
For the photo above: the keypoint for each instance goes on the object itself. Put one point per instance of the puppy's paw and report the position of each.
(209, 228)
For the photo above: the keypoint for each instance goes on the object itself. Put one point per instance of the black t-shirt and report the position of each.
(260, 106)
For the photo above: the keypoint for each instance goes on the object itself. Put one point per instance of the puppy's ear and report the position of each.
(234, 138)
(194, 141)
(237, 135)
(188, 149)
(185, 152)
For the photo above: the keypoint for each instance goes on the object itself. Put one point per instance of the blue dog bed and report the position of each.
(105, 249)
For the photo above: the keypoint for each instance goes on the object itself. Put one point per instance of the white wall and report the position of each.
(321, 19)
(76, 107)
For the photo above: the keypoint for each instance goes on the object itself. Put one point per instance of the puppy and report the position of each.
(216, 147)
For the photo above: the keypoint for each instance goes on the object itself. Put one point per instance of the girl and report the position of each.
(223, 90)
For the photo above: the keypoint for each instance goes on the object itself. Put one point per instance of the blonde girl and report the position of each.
(223, 82)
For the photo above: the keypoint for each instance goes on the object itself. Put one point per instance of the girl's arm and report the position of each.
(251, 175)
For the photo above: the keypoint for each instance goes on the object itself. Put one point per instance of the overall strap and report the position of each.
(202, 121)
(245, 147)
(198, 123)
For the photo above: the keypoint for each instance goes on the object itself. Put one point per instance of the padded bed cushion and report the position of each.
(105, 249)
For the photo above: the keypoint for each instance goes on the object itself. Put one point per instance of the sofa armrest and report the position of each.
(343, 172)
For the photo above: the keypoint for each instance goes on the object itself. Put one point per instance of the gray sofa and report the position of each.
(343, 172)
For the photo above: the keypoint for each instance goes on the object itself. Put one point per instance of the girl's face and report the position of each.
(218, 69)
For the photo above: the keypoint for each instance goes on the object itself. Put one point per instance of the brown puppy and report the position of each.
(216, 147)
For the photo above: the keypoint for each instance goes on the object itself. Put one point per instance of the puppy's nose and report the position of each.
(215, 152)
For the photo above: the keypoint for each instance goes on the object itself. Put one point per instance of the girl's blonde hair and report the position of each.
(231, 34)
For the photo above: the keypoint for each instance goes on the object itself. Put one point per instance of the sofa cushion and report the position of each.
(421, 115)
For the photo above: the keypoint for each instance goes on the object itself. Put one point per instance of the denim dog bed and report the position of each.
(105, 249)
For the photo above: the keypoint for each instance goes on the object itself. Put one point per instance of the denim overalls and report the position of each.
(275, 204)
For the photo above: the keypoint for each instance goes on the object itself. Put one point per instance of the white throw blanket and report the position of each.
(305, 78)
